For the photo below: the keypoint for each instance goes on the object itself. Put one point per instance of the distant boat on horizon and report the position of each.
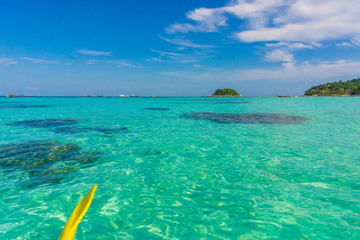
(12, 95)
(122, 95)
(283, 96)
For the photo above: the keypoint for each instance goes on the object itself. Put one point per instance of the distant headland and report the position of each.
(340, 88)
(226, 92)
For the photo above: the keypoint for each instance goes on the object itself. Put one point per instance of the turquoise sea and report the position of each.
(164, 174)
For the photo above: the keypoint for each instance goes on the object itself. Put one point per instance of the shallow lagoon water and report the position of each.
(170, 177)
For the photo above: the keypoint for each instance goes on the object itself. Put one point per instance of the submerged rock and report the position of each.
(247, 118)
(70, 130)
(45, 123)
(24, 106)
(76, 130)
(66, 126)
(42, 160)
(108, 130)
(221, 102)
(157, 109)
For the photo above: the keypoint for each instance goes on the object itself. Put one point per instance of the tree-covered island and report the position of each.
(226, 92)
(348, 88)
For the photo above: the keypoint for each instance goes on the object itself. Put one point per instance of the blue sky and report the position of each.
(176, 48)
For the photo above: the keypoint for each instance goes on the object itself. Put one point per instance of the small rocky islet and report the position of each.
(225, 92)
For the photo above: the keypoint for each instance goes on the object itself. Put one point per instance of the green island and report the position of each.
(226, 92)
(340, 88)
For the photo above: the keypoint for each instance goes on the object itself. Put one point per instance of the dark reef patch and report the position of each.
(70, 130)
(108, 130)
(157, 109)
(66, 126)
(45, 123)
(247, 118)
(23, 106)
(44, 161)
(76, 130)
(221, 102)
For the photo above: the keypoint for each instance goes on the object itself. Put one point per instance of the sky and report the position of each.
(177, 47)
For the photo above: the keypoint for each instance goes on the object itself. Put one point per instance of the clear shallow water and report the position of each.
(168, 177)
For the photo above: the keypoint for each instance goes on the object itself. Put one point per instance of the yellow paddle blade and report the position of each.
(68, 233)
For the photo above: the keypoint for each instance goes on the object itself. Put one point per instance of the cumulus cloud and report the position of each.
(207, 20)
(280, 20)
(93, 53)
(211, 19)
(279, 55)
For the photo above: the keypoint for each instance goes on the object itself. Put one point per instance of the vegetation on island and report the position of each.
(226, 92)
(348, 88)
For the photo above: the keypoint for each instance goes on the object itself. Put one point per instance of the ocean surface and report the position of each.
(177, 168)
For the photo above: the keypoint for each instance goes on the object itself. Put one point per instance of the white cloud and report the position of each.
(342, 69)
(303, 72)
(278, 55)
(284, 26)
(93, 53)
(207, 20)
(5, 60)
(36, 60)
(91, 62)
(118, 63)
(280, 20)
(177, 57)
(356, 41)
(121, 63)
(344, 44)
(304, 32)
(211, 19)
(294, 46)
(163, 53)
(185, 42)
(8, 61)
